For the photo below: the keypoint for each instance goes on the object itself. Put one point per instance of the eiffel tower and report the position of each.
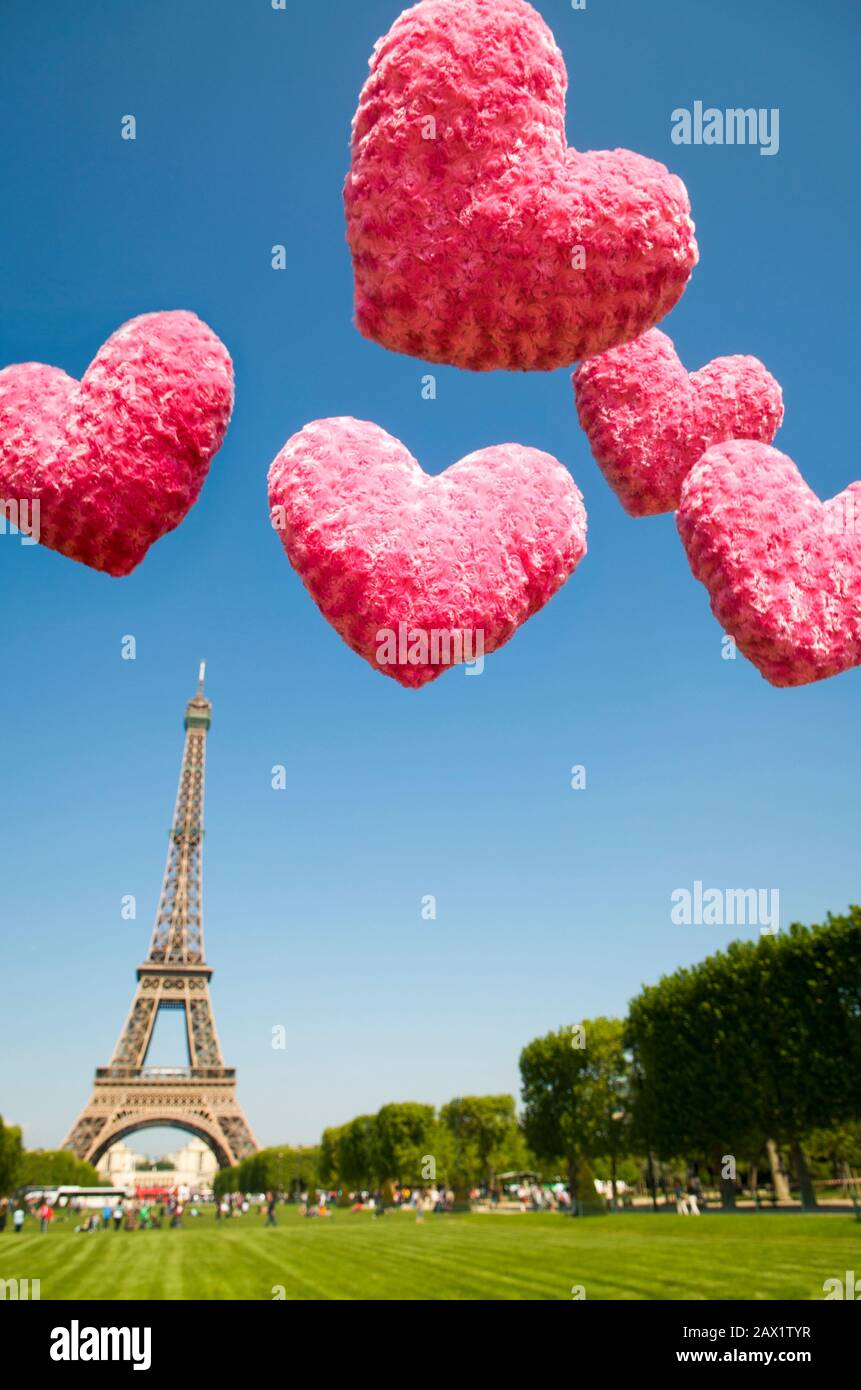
(129, 1095)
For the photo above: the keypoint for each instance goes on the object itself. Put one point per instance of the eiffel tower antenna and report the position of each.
(201, 1097)
(178, 933)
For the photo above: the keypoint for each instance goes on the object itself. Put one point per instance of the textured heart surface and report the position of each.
(417, 572)
(648, 420)
(116, 459)
(783, 569)
(478, 237)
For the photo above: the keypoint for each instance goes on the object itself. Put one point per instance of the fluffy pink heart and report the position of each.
(648, 420)
(478, 237)
(418, 572)
(783, 569)
(118, 458)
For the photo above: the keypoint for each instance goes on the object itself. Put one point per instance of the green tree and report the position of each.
(55, 1168)
(226, 1180)
(279, 1169)
(483, 1136)
(330, 1156)
(10, 1156)
(358, 1160)
(809, 1000)
(405, 1133)
(574, 1083)
(605, 1110)
(696, 1088)
(838, 1146)
(759, 1042)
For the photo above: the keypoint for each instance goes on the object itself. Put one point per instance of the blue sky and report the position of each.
(553, 904)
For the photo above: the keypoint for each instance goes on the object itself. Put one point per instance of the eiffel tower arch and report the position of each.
(127, 1094)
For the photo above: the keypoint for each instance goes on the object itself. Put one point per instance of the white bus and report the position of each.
(78, 1198)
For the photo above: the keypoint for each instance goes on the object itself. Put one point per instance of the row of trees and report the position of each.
(280, 1169)
(38, 1167)
(466, 1142)
(758, 1046)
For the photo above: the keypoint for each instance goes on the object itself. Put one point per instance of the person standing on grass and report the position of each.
(118, 1216)
(270, 1209)
(45, 1215)
(18, 1219)
(4, 1212)
(107, 1213)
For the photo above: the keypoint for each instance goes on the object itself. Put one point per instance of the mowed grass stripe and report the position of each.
(533, 1256)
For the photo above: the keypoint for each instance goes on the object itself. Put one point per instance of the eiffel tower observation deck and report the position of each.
(128, 1094)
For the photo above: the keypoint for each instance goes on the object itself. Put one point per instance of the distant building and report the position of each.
(193, 1167)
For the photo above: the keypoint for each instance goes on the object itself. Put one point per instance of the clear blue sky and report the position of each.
(553, 905)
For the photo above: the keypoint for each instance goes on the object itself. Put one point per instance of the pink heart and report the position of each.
(648, 420)
(478, 237)
(392, 556)
(118, 458)
(783, 569)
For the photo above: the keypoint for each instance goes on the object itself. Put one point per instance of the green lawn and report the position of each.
(529, 1256)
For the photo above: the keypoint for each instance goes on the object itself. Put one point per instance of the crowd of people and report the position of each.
(134, 1215)
(151, 1213)
(131, 1214)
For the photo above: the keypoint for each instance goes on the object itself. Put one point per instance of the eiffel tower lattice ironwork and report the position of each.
(129, 1095)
